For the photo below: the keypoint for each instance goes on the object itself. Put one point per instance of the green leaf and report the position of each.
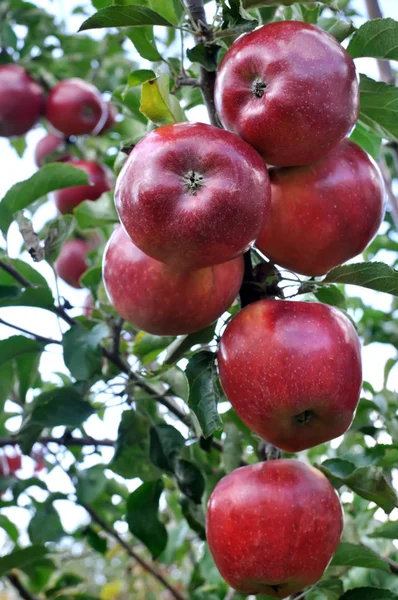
(27, 371)
(157, 104)
(141, 76)
(233, 449)
(90, 215)
(82, 352)
(190, 479)
(57, 234)
(49, 178)
(379, 107)
(367, 139)
(203, 391)
(352, 555)
(166, 443)
(331, 295)
(45, 525)
(90, 484)
(373, 275)
(91, 279)
(368, 482)
(205, 54)
(19, 144)
(368, 593)
(377, 38)
(19, 558)
(236, 18)
(38, 297)
(388, 531)
(9, 528)
(124, 16)
(59, 406)
(145, 44)
(336, 27)
(39, 574)
(16, 346)
(331, 588)
(131, 458)
(184, 343)
(142, 517)
(147, 346)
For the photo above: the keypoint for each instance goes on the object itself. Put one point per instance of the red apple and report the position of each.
(112, 113)
(161, 299)
(21, 101)
(100, 181)
(292, 371)
(290, 90)
(323, 214)
(72, 262)
(192, 195)
(75, 107)
(273, 527)
(51, 145)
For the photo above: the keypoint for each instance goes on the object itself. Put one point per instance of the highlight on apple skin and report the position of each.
(273, 527)
(163, 300)
(292, 371)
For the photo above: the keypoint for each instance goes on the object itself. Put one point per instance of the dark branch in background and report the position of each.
(144, 564)
(36, 336)
(385, 70)
(18, 585)
(65, 440)
(246, 290)
(204, 34)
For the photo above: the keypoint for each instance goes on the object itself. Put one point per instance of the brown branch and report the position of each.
(144, 564)
(36, 336)
(385, 70)
(18, 585)
(204, 34)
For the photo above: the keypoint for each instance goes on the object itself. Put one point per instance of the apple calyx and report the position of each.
(304, 417)
(193, 181)
(258, 88)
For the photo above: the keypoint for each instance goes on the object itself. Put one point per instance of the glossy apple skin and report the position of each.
(68, 198)
(292, 371)
(323, 214)
(48, 145)
(161, 299)
(112, 113)
(75, 107)
(273, 527)
(72, 262)
(199, 228)
(21, 101)
(311, 99)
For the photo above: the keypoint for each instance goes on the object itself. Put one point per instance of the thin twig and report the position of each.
(65, 440)
(204, 34)
(36, 336)
(18, 585)
(116, 359)
(144, 564)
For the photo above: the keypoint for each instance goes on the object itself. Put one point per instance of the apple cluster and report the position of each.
(72, 108)
(192, 198)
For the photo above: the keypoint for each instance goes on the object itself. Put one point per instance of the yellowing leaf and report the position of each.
(157, 104)
(111, 590)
